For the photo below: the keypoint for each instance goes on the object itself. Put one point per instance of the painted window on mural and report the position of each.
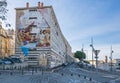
(33, 31)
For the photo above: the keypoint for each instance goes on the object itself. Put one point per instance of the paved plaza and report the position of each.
(69, 74)
(41, 77)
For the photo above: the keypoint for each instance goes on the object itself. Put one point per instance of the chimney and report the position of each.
(27, 5)
(106, 59)
(39, 5)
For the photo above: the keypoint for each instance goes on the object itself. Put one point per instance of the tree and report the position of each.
(80, 55)
(3, 12)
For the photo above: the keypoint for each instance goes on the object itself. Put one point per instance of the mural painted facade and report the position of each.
(32, 28)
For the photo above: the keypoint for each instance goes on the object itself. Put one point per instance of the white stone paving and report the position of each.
(39, 78)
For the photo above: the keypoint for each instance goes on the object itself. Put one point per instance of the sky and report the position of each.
(81, 20)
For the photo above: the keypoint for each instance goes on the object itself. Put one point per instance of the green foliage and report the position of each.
(3, 12)
(80, 55)
(3, 9)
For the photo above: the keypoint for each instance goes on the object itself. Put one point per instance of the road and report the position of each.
(101, 77)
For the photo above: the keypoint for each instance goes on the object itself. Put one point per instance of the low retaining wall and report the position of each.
(14, 66)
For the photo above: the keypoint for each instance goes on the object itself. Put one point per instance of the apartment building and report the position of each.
(37, 28)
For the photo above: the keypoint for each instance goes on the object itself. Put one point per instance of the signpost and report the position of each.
(96, 52)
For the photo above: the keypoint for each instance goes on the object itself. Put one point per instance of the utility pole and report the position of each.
(92, 51)
(111, 51)
(82, 48)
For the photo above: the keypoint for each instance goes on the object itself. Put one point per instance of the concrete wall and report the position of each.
(14, 66)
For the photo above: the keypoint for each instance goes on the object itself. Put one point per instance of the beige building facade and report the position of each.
(11, 36)
(4, 43)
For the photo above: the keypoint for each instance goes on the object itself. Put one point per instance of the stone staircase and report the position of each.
(33, 56)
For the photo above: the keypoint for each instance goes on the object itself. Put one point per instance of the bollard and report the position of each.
(90, 79)
(20, 67)
(78, 75)
(71, 74)
(36, 70)
(27, 68)
(84, 77)
(32, 71)
(11, 73)
(22, 72)
(42, 72)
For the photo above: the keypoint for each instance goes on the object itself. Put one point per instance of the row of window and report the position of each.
(32, 10)
(32, 17)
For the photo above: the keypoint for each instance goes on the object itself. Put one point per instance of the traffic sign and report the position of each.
(96, 52)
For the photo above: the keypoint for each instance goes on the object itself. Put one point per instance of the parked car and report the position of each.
(1, 62)
(7, 61)
(16, 60)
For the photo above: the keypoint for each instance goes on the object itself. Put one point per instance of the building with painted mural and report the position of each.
(37, 28)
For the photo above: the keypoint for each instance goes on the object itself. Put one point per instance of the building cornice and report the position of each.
(24, 8)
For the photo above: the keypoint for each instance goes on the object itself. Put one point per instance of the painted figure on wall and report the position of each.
(44, 38)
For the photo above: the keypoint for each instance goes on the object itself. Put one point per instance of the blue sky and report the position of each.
(81, 20)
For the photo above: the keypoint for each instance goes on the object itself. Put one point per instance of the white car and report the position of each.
(7, 62)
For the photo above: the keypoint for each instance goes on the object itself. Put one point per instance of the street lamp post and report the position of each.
(91, 45)
(111, 58)
(96, 52)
